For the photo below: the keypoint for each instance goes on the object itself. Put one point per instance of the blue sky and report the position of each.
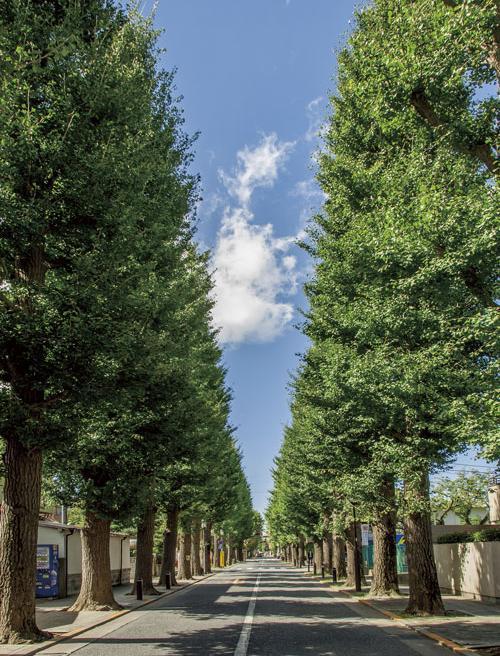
(255, 76)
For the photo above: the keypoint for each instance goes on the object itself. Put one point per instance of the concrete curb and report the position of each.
(39, 647)
(431, 635)
(441, 640)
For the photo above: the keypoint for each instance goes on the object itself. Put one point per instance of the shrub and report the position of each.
(483, 535)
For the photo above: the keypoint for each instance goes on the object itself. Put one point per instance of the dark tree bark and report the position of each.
(18, 539)
(425, 594)
(170, 546)
(96, 592)
(20, 508)
(350, 547)
(302, 557)
(339, 556)
(207, 551)
(385, 572)
(195, 549)
(482, 151)
(185, 553)
(327, 552)
(144, 559)
(215, 551)
(318, 555)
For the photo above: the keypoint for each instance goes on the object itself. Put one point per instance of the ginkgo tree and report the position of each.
(402, 313)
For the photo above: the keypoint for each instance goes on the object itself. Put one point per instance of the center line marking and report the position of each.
(242, 646)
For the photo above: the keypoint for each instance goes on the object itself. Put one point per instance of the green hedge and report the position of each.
(484, 535)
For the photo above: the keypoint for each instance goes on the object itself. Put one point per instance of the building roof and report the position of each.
(64, 527)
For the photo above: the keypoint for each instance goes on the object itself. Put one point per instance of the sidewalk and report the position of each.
(468, 625)
(53, 615)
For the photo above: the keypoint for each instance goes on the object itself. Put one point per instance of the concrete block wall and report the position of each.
(60, 534)
(471, 569)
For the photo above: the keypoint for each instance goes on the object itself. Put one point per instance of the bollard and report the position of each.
(334, 575)
(322, 571)
(314, 568)
(168, 580)
(308, 565)
(138, 589)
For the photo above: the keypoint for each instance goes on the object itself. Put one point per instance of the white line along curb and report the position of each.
(242, 646)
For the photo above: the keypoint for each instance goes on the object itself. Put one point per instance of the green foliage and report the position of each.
(402, 318)
(108, 358)
(461, 494)
(485, 535)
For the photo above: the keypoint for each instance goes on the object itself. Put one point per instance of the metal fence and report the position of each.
(402, 563)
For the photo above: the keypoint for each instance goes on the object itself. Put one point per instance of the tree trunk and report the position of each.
(295, 554)
(385, 571)
(185, 554)
(318, 555)
(425, 595)
(339, 556)
(18, 539)
(327, 552)
(302, 558)
(144, 560)
(350, 547)
(96, 592)
(215, 551)
(207, 541)
(170, 546)
(195, 548)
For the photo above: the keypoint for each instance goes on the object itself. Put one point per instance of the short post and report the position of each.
(138, 589)
(308, 565)
(322, 571)
(334, 575)
(314, 568)
(168, 580)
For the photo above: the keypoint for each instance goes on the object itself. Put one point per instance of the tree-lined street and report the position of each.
(293, 615)
(122, 459)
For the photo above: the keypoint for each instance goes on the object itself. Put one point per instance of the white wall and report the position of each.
(476, 516)
(54, 534)
(470, 568)
(48, 535)
(75, 553)
(115, 544)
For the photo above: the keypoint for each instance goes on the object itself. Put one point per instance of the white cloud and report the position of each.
(313, 198)
(208, 205)
(315, 111)
(310, 191)
(257, 167)
(252, 268)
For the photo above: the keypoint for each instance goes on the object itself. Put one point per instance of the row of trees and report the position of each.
(466, 495)
(111, 383)
(401, 371)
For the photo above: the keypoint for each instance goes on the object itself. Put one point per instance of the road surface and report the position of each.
(259, 608)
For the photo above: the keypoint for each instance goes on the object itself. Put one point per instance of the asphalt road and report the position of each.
(259, 608)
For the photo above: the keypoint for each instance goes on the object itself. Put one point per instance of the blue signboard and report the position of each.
(47, 570)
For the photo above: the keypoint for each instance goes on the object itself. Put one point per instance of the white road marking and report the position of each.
(242, 646)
